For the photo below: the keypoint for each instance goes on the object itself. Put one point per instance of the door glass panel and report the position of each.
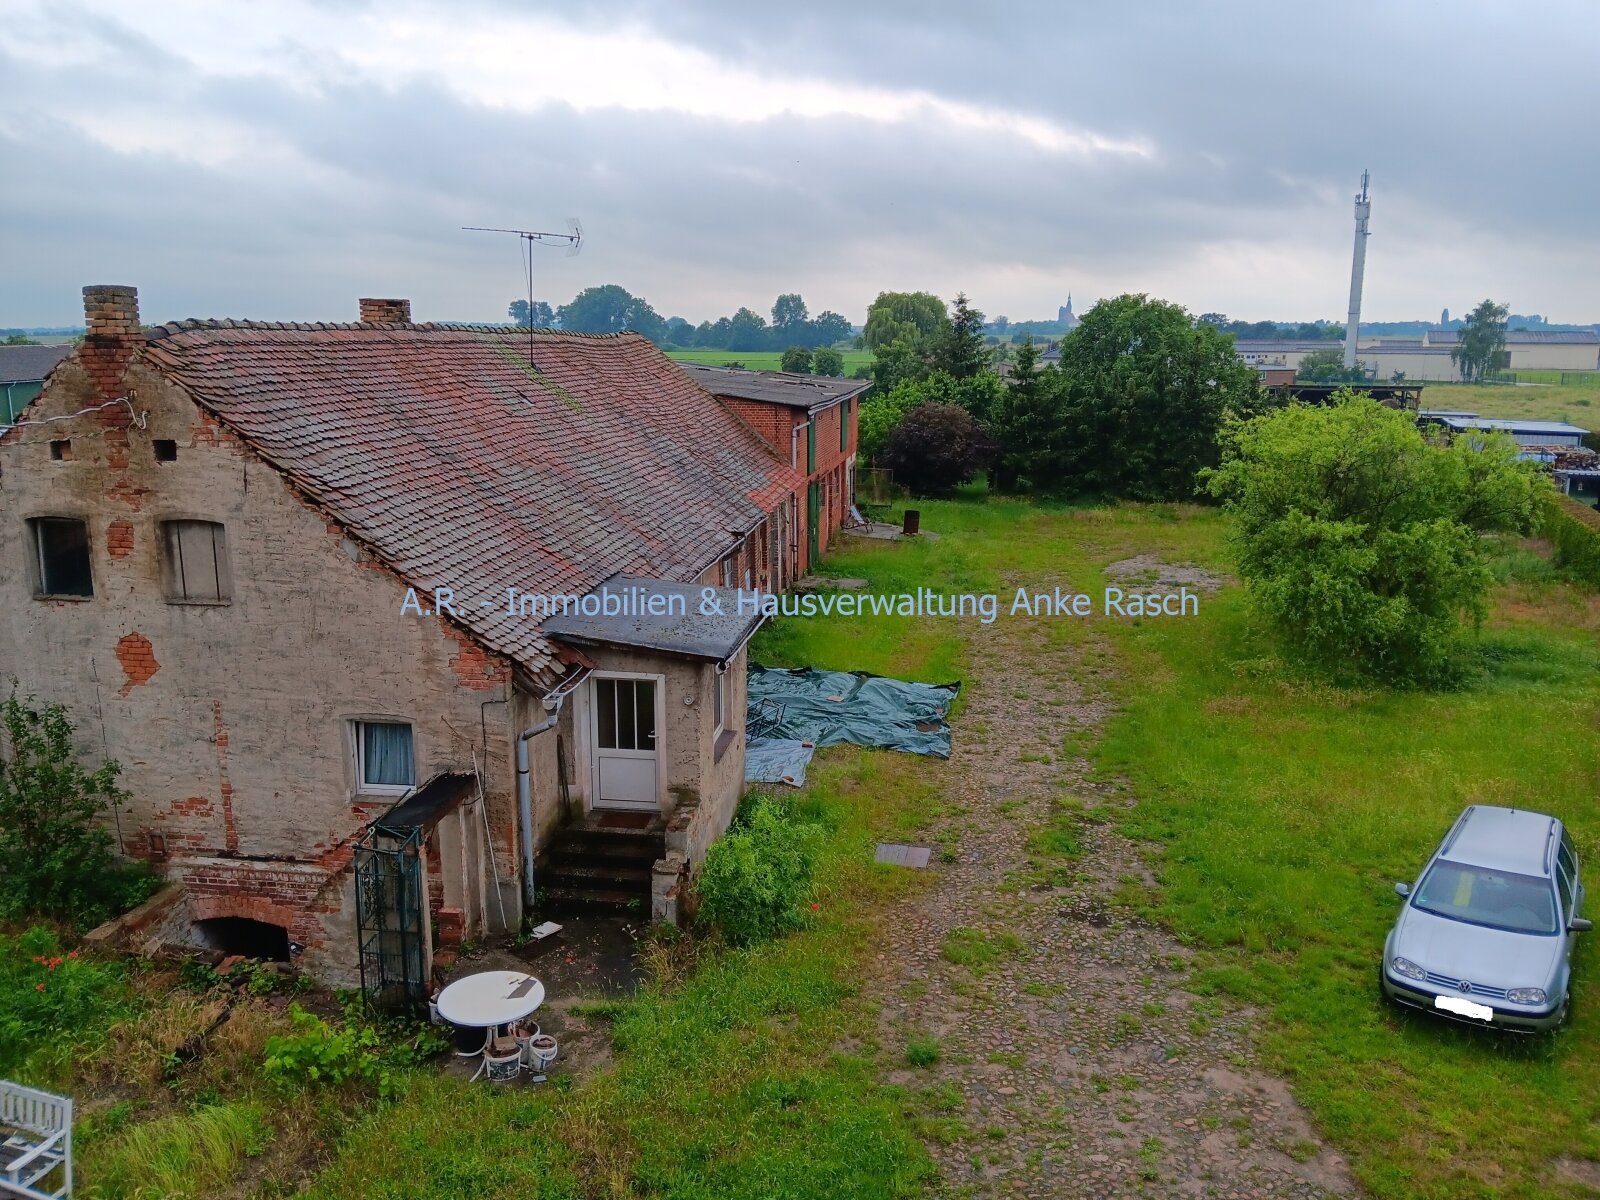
(625, 730)
(1565, 881)
(605, 704)
(645, 708)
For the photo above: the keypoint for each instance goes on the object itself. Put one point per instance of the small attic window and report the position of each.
(61, 450)
(166, 450)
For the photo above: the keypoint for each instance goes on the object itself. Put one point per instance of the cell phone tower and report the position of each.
(1358, 268)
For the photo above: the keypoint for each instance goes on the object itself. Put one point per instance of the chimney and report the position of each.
(111, 315)
(111, 312)
(385, 312)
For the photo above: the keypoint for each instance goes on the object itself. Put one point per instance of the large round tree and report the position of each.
(1143, 391)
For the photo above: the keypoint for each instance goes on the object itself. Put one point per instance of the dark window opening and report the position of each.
(61, 547)
(246, 936)
(166, 450)
(61, 449)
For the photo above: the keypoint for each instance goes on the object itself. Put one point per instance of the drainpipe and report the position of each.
(553, 702)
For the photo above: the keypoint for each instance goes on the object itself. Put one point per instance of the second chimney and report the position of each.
(385, 312)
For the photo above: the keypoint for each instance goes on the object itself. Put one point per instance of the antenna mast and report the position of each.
(1358, 269)
(572, 239)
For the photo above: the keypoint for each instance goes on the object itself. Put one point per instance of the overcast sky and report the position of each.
(277, 160)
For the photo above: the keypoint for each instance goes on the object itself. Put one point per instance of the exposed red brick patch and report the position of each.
(138, 659)
(119, 539)
(128, 494)
(230, 831)
(473, 666)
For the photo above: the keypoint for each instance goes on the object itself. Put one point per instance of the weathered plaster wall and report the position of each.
(231, 721)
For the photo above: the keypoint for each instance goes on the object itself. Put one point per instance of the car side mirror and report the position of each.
(1402, 889)
(1580, 924)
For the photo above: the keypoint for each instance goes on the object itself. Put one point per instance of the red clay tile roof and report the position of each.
(438, 448)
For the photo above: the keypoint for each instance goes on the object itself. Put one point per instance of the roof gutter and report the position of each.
(552, 701)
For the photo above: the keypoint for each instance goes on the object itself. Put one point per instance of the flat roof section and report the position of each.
(775, 387)
(683, 629)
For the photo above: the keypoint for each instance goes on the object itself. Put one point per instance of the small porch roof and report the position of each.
(659, 615)
(424, 806)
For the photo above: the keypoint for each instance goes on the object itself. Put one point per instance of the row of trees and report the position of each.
(1133, 408)
(611, 308)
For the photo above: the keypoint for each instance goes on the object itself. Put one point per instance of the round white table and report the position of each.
(490, 999)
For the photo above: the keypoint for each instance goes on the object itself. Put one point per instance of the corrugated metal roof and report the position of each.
(1525, 337)
(1528, 427)
(461, 468)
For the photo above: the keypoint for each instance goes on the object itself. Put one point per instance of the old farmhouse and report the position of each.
(335, 597)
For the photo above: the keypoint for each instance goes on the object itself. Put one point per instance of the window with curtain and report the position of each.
(383, 749)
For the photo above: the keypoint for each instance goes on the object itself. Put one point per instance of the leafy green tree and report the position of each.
(796, 358)
(1000, 325)
(897, 362)
(1144, 392)
(829, 328)
(915, 317)
(544, 316)
(747, 331)
(1482, 341)
(680, 332)
(1360, 542)
(714, 335)
(1327, 366)
(1025, 422)
(880, 413)
(827, 361)
(55, 856)
(790, 319)
(935, 448)
(21, 339)
(957, 348)
(611, 308)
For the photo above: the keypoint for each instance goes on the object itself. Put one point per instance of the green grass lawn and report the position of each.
(763, 360)
(1278, 813)
(1287, 811)
(1578, 404)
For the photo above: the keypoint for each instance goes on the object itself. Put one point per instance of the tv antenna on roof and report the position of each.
(572, 239)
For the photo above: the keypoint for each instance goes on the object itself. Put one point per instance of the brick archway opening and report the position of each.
(244, 935)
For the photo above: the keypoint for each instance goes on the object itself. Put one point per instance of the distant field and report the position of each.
(762, 360)
(1578, 404)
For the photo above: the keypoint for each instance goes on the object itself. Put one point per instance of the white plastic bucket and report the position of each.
(541, 1052)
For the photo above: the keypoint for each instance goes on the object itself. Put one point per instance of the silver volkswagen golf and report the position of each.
(1486, 934)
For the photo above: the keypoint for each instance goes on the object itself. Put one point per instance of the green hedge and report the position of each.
(1574, 531)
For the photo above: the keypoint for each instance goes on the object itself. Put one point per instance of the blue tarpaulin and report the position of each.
(827, 707)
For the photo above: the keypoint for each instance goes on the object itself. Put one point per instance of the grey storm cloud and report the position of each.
(1223, 144)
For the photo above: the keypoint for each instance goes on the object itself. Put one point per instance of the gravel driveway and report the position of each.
(1071, 1060)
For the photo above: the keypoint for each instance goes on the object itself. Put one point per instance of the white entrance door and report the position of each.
(624, 725)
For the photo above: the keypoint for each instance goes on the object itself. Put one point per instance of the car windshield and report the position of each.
(1498, 899)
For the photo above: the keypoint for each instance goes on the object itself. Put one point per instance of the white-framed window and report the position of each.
(196, 560)
(385, 762)
(61, 557)
(719, 696)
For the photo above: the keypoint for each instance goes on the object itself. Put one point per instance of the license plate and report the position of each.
(1463, 1007)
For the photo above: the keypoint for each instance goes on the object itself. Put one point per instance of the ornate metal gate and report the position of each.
(390, 911)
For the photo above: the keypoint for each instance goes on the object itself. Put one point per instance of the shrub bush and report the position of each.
(56, 858)
(1574, 531)
(935, 448)
(1361, 543)
(757, 877)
